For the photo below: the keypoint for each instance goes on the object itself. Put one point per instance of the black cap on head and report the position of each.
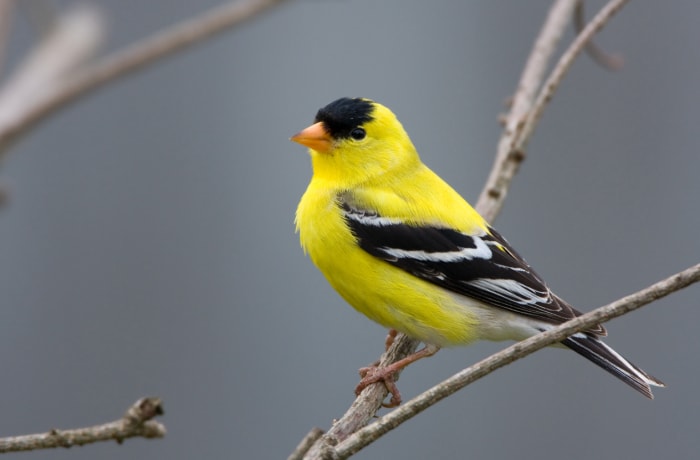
(340, 117)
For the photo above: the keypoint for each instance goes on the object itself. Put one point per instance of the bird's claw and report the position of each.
(373, 374)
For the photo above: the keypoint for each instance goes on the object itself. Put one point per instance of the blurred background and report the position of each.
(148, 246)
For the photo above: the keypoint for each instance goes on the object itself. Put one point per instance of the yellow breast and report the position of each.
(385, 294)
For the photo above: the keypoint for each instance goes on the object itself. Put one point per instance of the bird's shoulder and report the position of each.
(417, 198)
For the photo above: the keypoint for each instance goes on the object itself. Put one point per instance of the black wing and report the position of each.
(483, 267)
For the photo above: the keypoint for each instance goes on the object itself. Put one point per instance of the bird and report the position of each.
(403, 248)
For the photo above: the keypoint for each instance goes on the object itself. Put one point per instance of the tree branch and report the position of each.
(415, 406)
(611, 62)
(134, 57)
(509, 156)
(136, 422)
(526, 113)
(72, 39)
(561, 69)
(306, 444)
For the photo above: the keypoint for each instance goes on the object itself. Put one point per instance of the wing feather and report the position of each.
(481, 266)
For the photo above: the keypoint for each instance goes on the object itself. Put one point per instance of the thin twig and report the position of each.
(73, 38)
(508, 159)
(612, 62)
(561, 69)
(145, 52)
(136, 422)
(306, 444)
(372, 432)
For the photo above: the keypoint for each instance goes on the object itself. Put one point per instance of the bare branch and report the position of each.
(524, 114)
(136, 422)
(415, 406)
(142, 53)
(508, 158)
(611, 62)
(72, 40)
(306, 444)
(561, 69)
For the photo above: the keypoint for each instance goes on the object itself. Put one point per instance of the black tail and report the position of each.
(607, 358)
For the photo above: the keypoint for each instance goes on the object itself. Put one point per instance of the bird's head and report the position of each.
(355, 141)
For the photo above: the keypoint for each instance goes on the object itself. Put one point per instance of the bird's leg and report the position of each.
(388, 342)
(390, 337)
(374, 374)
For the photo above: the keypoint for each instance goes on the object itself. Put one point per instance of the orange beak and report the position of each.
(314, 137)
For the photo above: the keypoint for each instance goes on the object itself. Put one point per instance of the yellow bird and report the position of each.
(407, 251)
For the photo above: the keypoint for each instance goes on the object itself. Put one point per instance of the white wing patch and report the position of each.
(371, 219)
(513, 290)
(481, 251)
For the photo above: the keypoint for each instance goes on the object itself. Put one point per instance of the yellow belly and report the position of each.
(383, 293)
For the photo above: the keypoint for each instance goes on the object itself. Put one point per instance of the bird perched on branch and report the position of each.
(406, 250)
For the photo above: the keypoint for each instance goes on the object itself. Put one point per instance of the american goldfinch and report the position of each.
(406, 250)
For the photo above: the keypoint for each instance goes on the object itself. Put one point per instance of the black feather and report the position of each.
(341, 116)
(599, 353)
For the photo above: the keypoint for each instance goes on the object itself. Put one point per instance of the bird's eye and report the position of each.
(358, 134)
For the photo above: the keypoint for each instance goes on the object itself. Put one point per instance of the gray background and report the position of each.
(149, 248)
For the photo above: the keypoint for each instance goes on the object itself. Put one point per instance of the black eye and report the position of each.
(358, 134)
